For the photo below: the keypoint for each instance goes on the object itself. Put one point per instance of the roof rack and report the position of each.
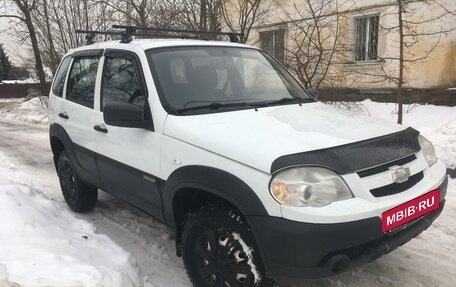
(127, 33)
(90, 35)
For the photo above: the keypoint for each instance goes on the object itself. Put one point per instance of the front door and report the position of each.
(128, 158)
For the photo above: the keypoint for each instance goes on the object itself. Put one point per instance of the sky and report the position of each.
(11, 47)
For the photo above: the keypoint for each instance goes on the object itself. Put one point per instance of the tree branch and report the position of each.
(12, 16)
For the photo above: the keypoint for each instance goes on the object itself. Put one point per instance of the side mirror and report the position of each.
(123, 115)
(313, 92)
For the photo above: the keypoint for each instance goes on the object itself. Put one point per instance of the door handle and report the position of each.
(64, 116)
(101, 128)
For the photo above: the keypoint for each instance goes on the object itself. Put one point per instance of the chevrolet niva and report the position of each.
(261, 183)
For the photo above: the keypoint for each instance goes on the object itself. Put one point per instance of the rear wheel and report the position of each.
(79, 196)
(219, 250)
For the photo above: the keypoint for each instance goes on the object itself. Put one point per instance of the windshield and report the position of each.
(214, 79)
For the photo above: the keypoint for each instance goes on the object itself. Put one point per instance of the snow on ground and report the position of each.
(149, 242)
(27, 109)
(23, 81)
(27, 172)
(44, 244)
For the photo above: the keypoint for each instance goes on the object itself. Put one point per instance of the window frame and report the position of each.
(368, 39)
(273, 31)
(81, 55)
(134, 58)
(127, 55)
(65, 77)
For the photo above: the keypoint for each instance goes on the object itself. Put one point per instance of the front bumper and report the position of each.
(292, 251)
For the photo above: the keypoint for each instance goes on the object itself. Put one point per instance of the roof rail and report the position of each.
(127, 33)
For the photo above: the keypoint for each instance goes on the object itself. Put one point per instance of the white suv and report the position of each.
(261, 182)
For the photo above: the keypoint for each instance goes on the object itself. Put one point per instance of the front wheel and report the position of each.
(79, 196)
(219, 250)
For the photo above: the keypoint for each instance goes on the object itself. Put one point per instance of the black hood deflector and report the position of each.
(356, 156)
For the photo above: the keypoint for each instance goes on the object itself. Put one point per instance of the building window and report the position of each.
(273, 42)
(367, 38)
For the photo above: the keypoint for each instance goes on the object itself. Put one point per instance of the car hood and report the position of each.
(257, 138)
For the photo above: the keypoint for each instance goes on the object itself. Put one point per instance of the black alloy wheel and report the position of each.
(221, 260)
(79, 196)
(219, 250)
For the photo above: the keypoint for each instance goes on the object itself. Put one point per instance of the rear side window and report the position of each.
(121, 82)
(59, 81)
(81, 82)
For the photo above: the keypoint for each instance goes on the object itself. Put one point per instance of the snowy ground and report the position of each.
(43, 244)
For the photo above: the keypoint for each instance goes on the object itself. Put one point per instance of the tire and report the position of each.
(79, 196)
(219, 250)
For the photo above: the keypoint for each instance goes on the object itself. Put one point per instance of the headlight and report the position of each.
(308, 186)
(428, 150)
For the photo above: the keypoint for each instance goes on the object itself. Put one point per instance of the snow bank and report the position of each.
(32, 109)
(37, 104)
(444, 139)
(44, 244)
(437, 123)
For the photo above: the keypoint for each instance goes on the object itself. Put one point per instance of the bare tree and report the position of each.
(413, 32)
(201, 15)
(314, 42)
(56, 22)
(54, 59)
(25, 9)
(242, 15)
(417, 36)
(143, 13)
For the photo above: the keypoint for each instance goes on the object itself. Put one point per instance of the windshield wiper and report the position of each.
(288, 100)
(217, 105)
(214, 106)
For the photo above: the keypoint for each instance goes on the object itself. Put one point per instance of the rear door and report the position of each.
(128, 158)
(76, 113)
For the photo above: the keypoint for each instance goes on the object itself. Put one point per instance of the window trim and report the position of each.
(368, 16)
(88, 53)
(65, 86)
(78, 55)
(64, 78)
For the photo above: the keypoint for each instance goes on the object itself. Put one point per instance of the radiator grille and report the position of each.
(385, 167)
(396, 188)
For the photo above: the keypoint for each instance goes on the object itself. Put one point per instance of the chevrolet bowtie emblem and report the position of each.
(400, 174)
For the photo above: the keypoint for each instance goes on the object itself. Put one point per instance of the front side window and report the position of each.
(221, 78)
(121, 83)
(366, 38)
(273, 42)
(59, 80)
(81, 82)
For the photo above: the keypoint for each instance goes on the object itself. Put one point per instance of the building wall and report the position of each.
(438, 69)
